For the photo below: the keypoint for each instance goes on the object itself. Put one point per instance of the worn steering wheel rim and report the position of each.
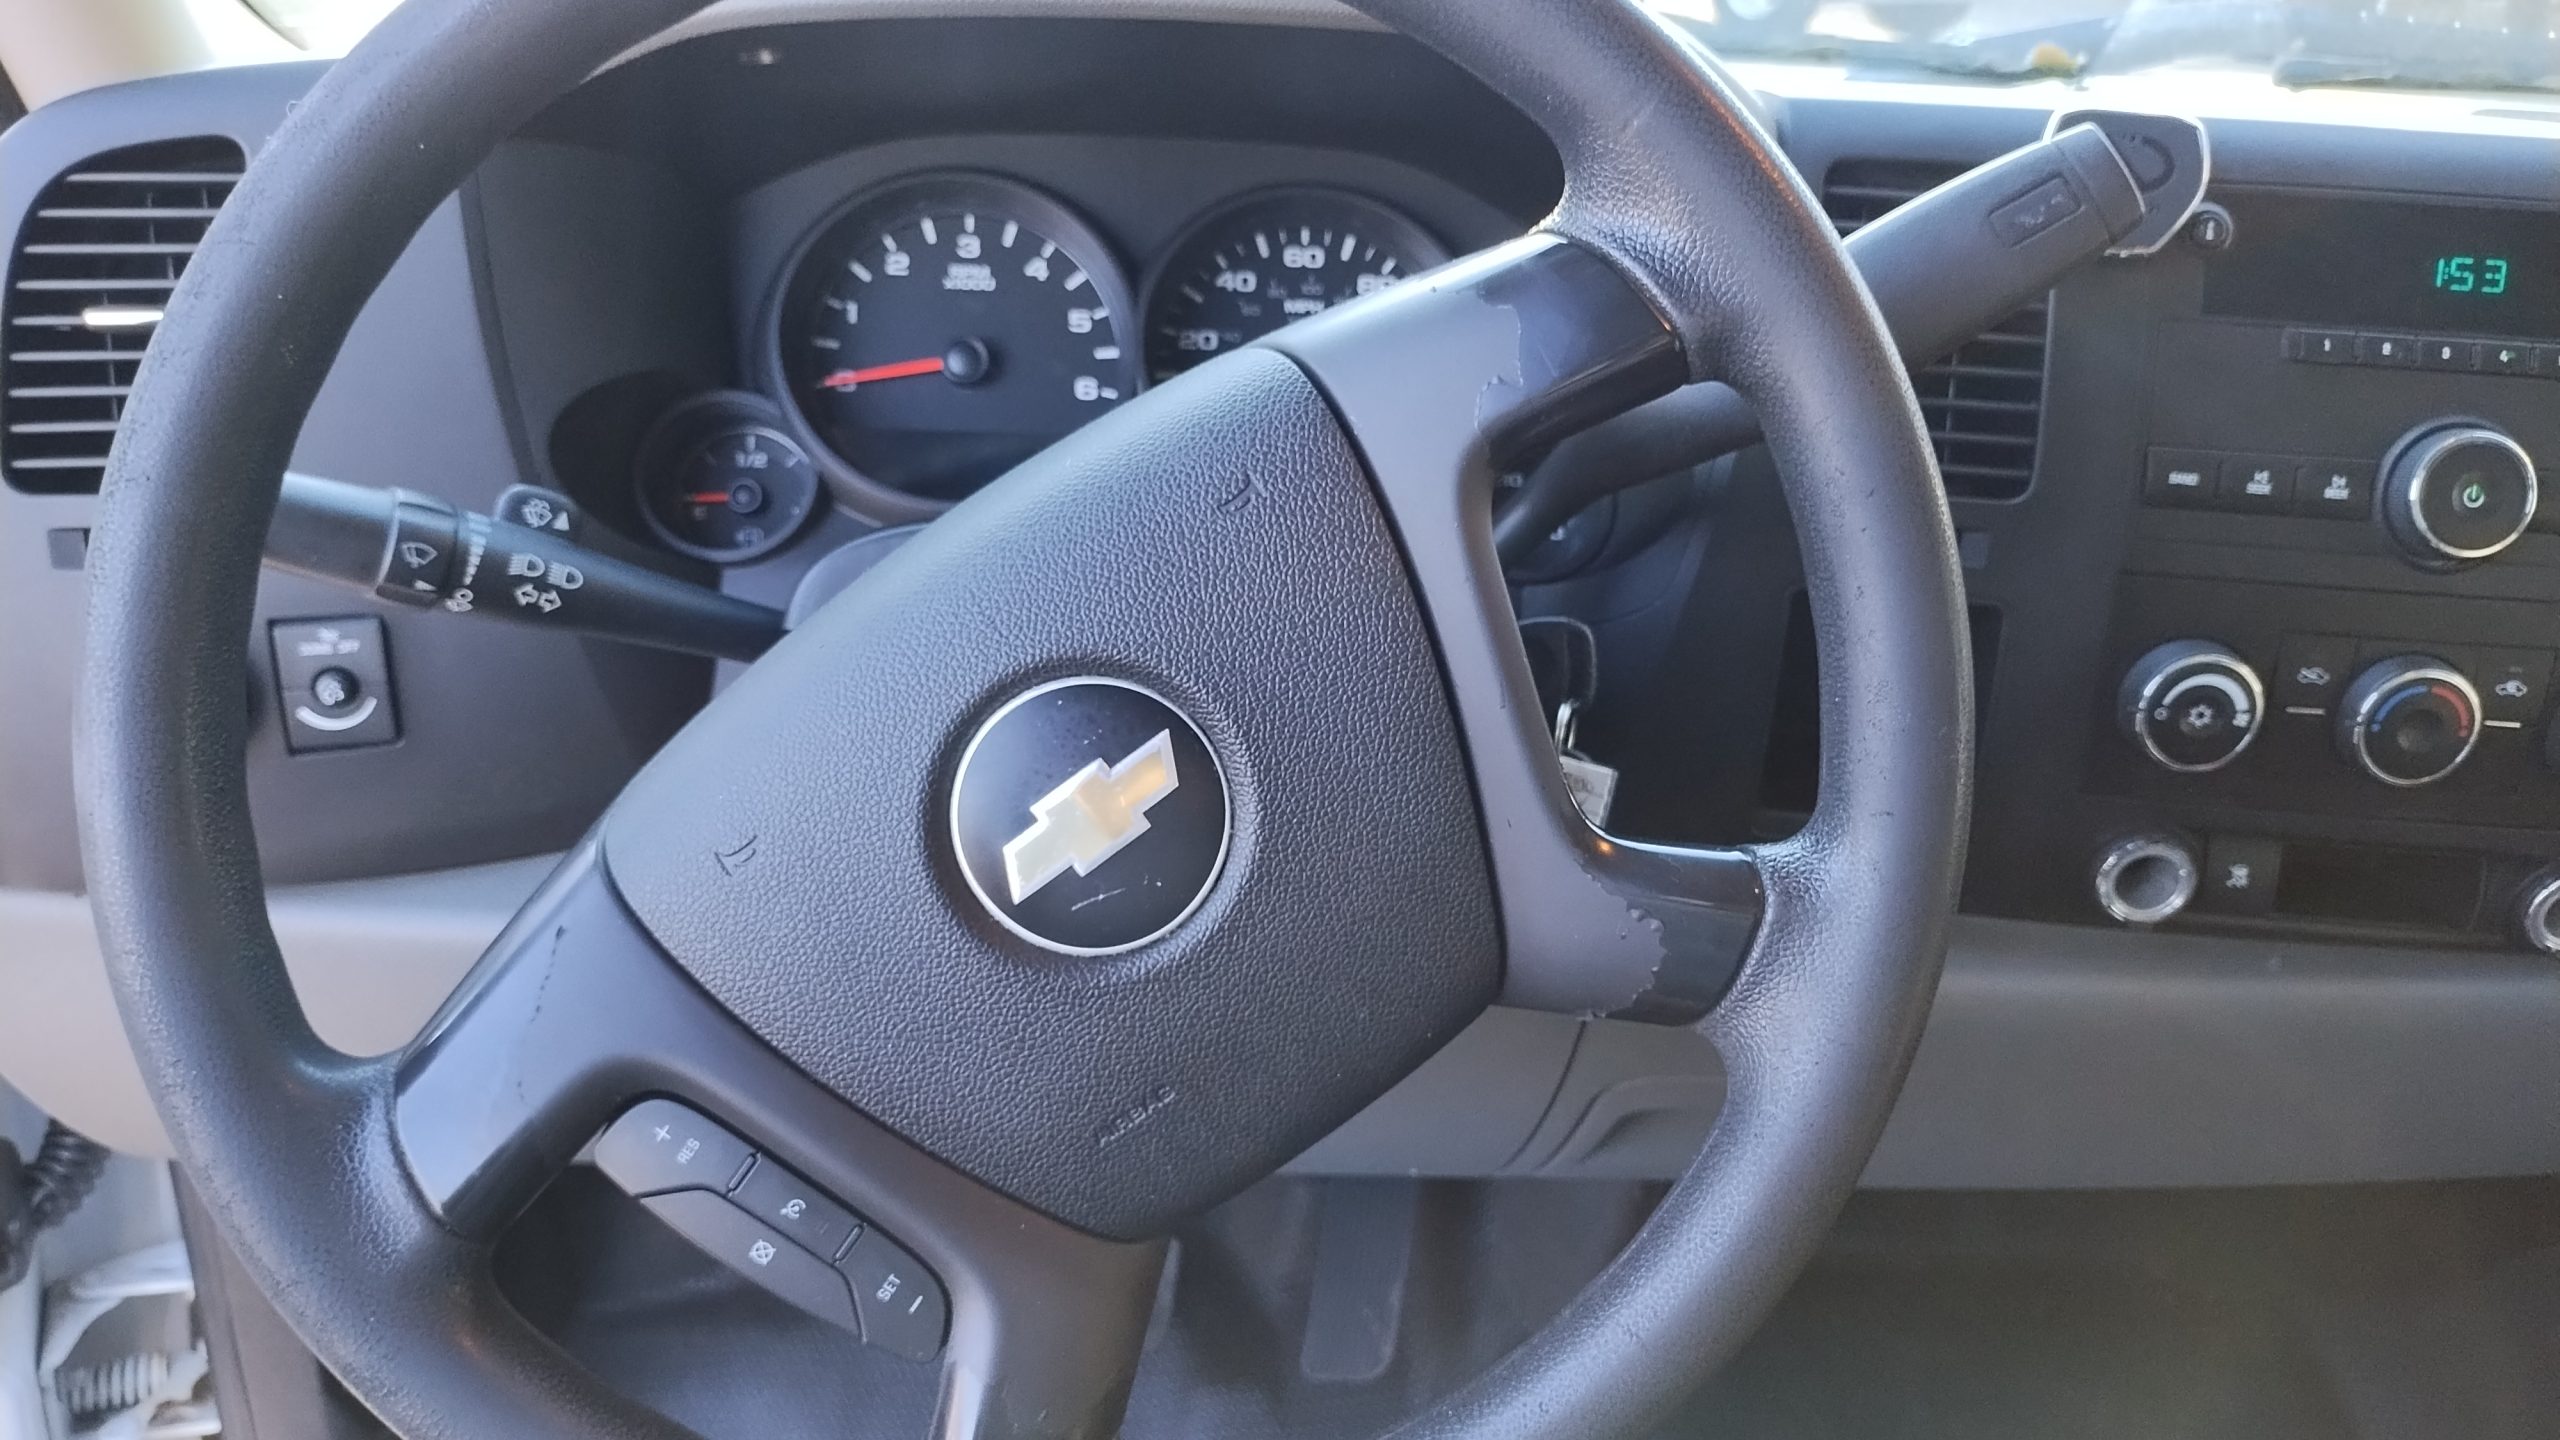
(364, 1194)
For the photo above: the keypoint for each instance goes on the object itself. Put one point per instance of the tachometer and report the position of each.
(1258, 262)
(940, 330)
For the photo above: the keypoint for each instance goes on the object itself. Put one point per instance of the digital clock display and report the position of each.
(2482, 275)
(2389, 265)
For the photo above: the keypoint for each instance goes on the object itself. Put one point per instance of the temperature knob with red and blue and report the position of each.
(2409, 720)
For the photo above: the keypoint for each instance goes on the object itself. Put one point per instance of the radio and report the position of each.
(2339, 605)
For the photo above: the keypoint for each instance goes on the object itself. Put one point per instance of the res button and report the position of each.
(658, 1146)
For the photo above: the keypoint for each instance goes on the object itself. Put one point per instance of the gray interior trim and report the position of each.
(2061, 1057)
(370, 958)
(2057, 1057)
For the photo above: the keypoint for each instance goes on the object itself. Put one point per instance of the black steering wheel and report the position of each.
(1149, 814)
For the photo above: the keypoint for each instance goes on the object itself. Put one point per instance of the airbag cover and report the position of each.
(1216, 542)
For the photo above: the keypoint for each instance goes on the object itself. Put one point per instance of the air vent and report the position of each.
(1984, 402)
(96, 260)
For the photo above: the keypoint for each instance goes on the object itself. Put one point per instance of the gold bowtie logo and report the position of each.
(1090, 818)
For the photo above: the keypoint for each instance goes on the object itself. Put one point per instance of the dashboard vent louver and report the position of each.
(1984, 403)
(97, 257)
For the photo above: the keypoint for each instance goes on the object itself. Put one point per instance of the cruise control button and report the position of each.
(903, 1308)
(733, 1237)
(659, 1145)
(2255, 483)
(2334, 489)
(797, 1209)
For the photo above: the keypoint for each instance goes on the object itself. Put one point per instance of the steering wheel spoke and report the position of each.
(575, 1024)
(1443, 384)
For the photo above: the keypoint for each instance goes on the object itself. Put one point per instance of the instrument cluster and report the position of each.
(932, 331)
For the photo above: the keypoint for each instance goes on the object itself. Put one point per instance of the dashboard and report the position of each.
(2264, 882)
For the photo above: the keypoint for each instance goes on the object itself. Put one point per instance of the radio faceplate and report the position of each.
(2290, 516)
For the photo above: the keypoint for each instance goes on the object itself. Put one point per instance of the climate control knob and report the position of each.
(2409, 720)
(2455, 493)
(2192, 705)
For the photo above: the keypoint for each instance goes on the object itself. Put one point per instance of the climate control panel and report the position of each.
(2193, 706)
(2246, 708)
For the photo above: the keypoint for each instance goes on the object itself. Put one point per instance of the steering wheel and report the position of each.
(1132, 827)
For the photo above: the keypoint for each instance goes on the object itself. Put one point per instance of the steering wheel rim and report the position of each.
(1684, 249)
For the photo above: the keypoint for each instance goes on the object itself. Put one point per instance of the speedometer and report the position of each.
(1258, 262)
(940, 330)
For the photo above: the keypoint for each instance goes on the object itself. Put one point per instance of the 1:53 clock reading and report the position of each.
(2471, 274)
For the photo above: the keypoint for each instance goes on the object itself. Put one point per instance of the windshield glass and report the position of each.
(328, 27)
(2462, 44)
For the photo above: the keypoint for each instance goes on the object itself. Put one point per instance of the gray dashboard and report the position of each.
(624, 255)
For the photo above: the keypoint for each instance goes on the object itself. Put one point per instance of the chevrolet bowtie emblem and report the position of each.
(1091, 817)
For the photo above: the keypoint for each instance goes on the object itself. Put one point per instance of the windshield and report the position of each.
(2461, 44)
(327, 27)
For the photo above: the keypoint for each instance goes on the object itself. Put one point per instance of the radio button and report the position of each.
(2321, 347)
(2458, 493)
(2181, 479)
(2546, 361)
(2386, 350)
(2259, 484)
(2440, 354)
(2504, 357)
(2334, 489)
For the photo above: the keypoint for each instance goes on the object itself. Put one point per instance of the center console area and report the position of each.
(2262, 647)
(2336, 614)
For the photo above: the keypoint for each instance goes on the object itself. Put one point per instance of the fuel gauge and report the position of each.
(726, 491)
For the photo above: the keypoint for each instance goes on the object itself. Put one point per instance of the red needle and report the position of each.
(710, 497)
(895, 370)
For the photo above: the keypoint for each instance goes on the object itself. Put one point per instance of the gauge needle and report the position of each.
(895, 370)
(709, 497)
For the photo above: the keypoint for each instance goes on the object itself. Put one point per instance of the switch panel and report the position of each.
(333, 684)
(775, 1228)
